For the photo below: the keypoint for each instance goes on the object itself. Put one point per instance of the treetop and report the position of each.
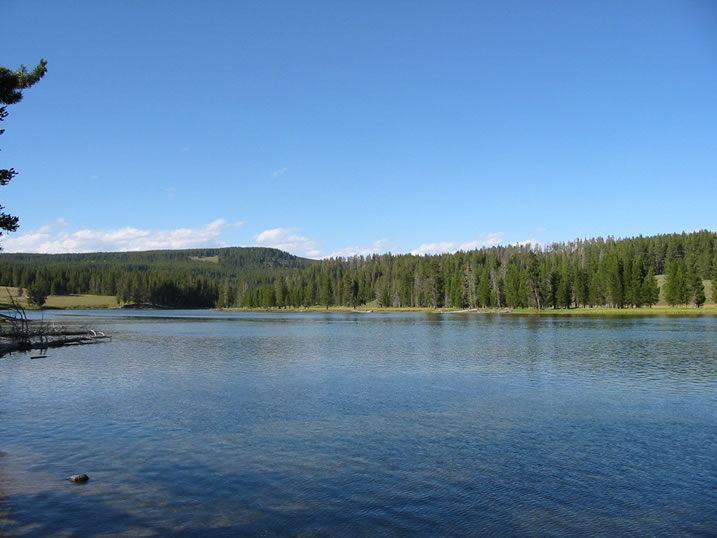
(12, 82)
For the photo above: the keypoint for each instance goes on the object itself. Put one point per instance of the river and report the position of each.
(222, 424)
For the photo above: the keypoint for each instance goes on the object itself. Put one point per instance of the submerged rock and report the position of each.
(79, 478)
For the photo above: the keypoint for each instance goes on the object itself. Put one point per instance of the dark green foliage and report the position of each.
(650, 291)
(597, 272)
(11, 85)
(351, 289)
(714, 279)
(699, 297)
(533, 278)
(695, 287)
(37, 293)
(676, 290)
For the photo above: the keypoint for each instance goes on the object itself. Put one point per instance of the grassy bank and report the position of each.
(74, 302)
(658, 310)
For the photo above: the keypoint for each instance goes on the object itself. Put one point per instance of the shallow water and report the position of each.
(209, 423)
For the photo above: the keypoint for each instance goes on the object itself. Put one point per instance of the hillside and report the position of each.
(174, 278)
(216, 262)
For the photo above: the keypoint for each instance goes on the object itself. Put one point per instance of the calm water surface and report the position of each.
(214, 424)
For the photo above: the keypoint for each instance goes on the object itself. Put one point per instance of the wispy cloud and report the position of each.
(171, 192)
(377, 247)
(289, 240)
(50, 240)
(485, 240)
(532, 243)
(280, 172)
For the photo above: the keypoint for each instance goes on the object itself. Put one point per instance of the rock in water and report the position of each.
(79, 478)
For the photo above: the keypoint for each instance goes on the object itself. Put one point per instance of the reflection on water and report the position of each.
(213, 423)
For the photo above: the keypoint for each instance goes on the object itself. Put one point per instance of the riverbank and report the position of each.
(106, 302)
(597, 311)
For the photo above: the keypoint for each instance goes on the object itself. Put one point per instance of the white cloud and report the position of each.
(434, 248)
(289, 240)
(171, 192)
(532, 243)
(280, 171)
(377, 247)
(48, 240)
(485, 240)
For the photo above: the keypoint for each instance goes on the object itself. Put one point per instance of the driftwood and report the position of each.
(18, 333)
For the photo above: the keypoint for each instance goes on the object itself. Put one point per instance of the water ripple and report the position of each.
(223, 424)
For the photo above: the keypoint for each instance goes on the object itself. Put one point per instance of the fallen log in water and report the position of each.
(46, 341)
(18, 333)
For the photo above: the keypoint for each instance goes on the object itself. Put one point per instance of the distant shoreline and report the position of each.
(99, 302)
(598, 311)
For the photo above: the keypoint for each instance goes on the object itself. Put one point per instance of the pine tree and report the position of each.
(714, 280)
(650, 290)
(38, 292)
(326, 295)
(534, 279)
(564, 290)
(636, 283)
(11, 85)
(613, 273)
(484, 298)
(696, 289)
(699, 296)
(676, 284)
(512, 286)
(350, 291)
(226, 295)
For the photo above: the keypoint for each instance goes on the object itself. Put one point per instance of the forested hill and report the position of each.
(595, 272)
(181, 278)
(215, 262)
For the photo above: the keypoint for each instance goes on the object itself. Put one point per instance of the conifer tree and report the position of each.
(613, 270)
(326, 294)
(11, 85)
(534, 278)
(636, 283)
(675, 284)
(226, 295)
(714, 280)
(699, 296)
(37, 293)
(484, 298)
(650, 290)
(564, 290)
(696, 289)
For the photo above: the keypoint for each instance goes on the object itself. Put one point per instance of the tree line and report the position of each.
(582, 273)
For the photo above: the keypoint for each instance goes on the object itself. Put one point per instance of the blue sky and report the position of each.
(340, 128)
